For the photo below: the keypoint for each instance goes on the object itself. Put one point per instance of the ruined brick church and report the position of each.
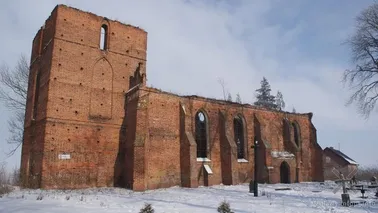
(91, 121)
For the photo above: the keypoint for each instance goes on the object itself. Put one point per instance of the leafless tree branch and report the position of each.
(363, 79)
(222, 83)
(13, 94)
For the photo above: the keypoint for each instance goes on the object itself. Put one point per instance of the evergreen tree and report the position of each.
(294, 111)
(263, 96)
(280, 101)
(238, 99)
(147, 209)
(224, 207)
(229, 97)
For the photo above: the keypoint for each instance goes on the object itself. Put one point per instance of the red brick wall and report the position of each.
(82, 102)
(34, 127)
(139, 139)
(164, 150)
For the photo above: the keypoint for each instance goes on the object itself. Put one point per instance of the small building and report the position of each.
(334, 161)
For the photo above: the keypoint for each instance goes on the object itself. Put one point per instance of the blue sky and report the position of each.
(296, 45)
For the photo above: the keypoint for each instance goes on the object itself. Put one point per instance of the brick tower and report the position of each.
(81, 67)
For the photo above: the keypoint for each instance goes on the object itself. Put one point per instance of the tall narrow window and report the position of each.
(201, 134)
(296, 134)
(239, 136)
(104, 37)
(36, 95)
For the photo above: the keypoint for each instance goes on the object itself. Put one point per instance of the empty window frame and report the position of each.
(201, 134)
(239, 136)
(104, 37)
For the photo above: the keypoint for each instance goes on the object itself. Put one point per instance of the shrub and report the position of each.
(40, 197)
(365, 173)
(224, 207)
(15, 177)
(147, 209)
(5, 187)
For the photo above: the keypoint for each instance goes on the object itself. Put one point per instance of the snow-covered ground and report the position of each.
(303, 197)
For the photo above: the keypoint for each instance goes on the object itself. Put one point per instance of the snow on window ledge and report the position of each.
(242, 161)
(203, 160)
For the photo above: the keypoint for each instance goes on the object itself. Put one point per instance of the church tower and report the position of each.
(81, 67)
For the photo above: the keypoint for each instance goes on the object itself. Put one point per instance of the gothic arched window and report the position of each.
(104, 37)
(239, 136)
(201, 134)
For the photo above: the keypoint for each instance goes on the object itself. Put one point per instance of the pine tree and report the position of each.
(224, 207)
(280, 101)
(147, 209)
(229, 97)
(238, 99)
(263, 96)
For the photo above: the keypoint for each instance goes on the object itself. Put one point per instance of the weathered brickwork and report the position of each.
(168, 130)
(80, 105)
(91, 121)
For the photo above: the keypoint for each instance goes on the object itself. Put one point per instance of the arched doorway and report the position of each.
(285, 172)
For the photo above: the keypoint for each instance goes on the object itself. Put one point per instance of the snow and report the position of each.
(203, 160)
(351, 161)
(304, 197)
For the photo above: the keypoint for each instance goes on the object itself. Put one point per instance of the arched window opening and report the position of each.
(104, 37)
(36, 95)
(296, 134)
(201, 134)
(239, 136)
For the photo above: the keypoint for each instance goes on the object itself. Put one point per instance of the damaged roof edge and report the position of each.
(92, 14)
(219, 101)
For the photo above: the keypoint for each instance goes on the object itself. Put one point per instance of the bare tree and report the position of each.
(221, 82)
(363, 79)
(13, 92)
(238, 98)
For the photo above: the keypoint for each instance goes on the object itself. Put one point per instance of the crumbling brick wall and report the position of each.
(165, 130)
(91, 122)
(81, 104)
